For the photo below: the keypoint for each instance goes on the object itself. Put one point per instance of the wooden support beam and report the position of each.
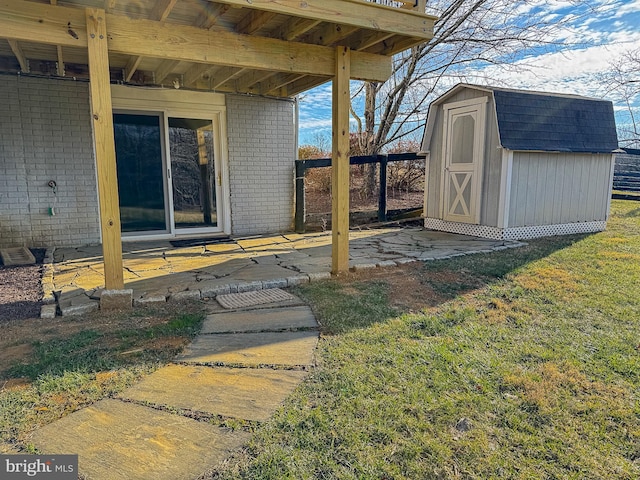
(105, 151)
(251, 78)
(340, 163)
(368, 39)
(162, 9)
(160, 12)
(195, 73)
(164, 70)
(222, 75)
(41, 23)
(331, 34)
(295, 28)
(275, 84)
(254, 21)
(55, 25)
(17, 51)
(349, 12)
(60, 64)
(131, 67)
(149, 38)
(212, 15)
(305, 83)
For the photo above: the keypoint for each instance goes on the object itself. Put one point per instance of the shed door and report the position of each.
(464, 145)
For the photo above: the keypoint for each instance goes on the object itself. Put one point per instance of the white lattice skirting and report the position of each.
(514, 233)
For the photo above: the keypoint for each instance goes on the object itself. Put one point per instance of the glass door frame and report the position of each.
(183, 104)
(220, 167)
(141, 234)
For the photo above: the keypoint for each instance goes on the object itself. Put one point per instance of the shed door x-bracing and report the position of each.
(463, 154)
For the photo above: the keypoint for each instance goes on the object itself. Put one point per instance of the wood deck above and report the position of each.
(264, 47)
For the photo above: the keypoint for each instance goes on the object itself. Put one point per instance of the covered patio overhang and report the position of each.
(260, 47)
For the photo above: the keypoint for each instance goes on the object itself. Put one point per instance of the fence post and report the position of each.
(300, 206)
(382, 199)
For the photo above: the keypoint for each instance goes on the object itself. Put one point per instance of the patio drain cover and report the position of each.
(17, 256)
(249, 299)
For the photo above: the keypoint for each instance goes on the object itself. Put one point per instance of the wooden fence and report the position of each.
(303, 165)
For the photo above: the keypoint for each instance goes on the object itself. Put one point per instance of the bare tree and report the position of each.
(622, 82)
(469, 34)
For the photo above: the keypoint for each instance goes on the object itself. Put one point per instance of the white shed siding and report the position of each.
(261, 156)
(45, 134)
(559, 188)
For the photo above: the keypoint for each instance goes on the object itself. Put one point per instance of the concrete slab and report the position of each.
(282, 348)
(263, 319)
(121, 441)
(116, 299)
(48, 311)
(76, 304)
(249, 394)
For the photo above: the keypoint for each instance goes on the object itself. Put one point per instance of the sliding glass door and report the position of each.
(193, 170)
(168, 174)
(141, 178)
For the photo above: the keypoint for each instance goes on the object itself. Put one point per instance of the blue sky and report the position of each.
(596, 38)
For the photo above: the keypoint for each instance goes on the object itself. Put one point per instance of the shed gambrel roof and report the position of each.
(552, 122)
(541, 121)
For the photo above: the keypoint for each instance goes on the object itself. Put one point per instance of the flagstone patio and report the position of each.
(157, 271)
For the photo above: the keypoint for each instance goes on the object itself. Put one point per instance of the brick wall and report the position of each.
(261, 155)
(45, 134)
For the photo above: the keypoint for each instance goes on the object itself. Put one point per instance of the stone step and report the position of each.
(243, 393)
(253, 349)
(260, 320)
(116, 440)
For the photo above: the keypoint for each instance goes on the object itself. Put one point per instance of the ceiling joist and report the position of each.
(17, 51)
(63, 26)
(60, 62)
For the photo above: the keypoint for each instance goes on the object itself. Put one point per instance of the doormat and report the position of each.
(250, 299)
(200, 242)
(17, 256)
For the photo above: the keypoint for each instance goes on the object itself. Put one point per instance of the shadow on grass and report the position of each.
(92, 350)
(342, 306)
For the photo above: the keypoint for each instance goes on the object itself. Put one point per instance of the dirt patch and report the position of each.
(21, 289)
(411, 286)
(18, 336)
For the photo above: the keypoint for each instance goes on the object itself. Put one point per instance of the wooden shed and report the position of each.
(514, 164)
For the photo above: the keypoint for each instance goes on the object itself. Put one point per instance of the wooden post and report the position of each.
(300, 200)
(382, 197)
(102, 115)
(340, 163)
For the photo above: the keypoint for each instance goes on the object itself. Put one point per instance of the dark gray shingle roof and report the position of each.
(537, 121)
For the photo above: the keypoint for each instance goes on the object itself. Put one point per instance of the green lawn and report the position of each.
(527, 367)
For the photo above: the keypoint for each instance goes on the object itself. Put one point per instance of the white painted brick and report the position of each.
(38, 147)
(261, 158)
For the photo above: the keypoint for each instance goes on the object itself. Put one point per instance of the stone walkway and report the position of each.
(156, 271)
(174, 424)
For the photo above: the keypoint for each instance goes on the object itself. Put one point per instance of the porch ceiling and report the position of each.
(264, 47)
